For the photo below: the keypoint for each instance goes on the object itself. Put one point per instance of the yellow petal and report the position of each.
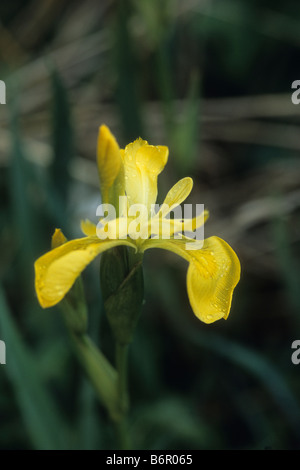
(213, 273)
(109, 160)
(113, 229)
(142, 165)
(152, 159)
(211, 279)
(129, 153)
(177, 194)
(57, 270)
(88, 228)
(189, 225)
(58, 238)
(167, 227)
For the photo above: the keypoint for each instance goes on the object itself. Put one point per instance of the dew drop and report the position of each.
(209, 317)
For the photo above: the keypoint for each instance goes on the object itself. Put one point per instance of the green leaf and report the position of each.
(172, 418)
(186, 134)
(21, 205)
(45, 426)
(62, 136)
(91, 427)
(127, 69)
(288, 267)
(251, 361)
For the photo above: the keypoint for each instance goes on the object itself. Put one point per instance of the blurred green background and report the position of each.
(212, 80)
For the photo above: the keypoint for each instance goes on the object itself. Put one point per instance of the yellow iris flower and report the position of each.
(214, 268)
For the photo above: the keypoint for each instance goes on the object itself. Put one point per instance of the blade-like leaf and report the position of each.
(251, 361)
(45, 426)
(62, 136)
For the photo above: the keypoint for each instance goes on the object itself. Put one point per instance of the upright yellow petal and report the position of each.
(177, 194)
(109, 160)
(88, 228)
(161, 224)
(58, 238)
(57, 270)
(142, 165)
(213, 273)
(132, 173)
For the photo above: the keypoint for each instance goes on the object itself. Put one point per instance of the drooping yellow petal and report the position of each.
(109, 160)
(142, 165)
(57, 270)
(213, 273)
(211, 279)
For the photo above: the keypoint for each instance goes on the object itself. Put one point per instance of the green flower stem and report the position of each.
(122, 435)
(109, 384)
(98, 369)
(100, 372)
(122, 369)
(121, 277)
(122, 286)
(123, 396)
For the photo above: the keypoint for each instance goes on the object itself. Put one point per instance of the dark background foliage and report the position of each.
(211, 80)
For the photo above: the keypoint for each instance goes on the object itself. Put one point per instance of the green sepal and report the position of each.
(122, 284)
(74, 309)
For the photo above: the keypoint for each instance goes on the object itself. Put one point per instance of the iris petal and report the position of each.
(57, 270)
(177, 194)
(142, 165)
(58, 238)
(166, 227)
(88, 228)
(213, 273)
(109, 160)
